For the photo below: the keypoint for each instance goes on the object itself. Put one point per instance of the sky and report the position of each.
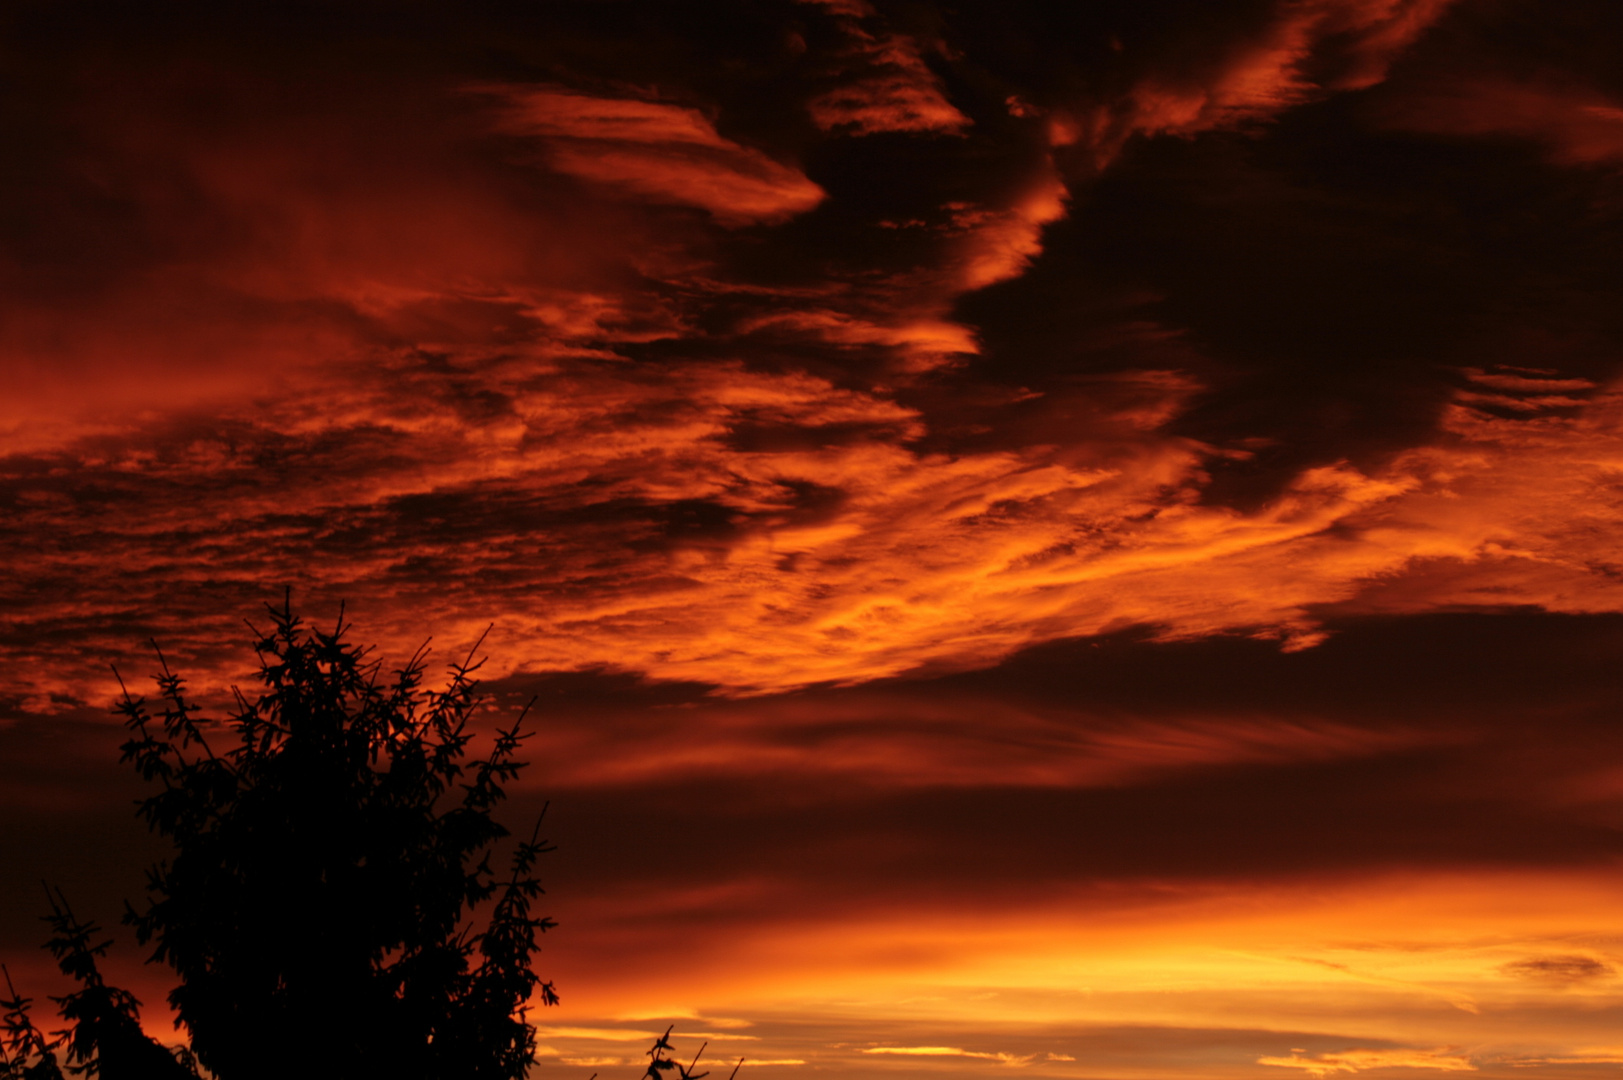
(1068, 541)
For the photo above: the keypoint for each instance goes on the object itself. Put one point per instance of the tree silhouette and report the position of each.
(105, 1039)
(318, 904)
(661, 1063)
(25, 1051)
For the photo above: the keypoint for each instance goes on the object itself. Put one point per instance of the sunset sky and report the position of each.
(1066, 540)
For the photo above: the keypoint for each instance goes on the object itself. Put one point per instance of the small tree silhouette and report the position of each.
(25, 1052)
(661, 1063)
(318, 904)
(105, 1038)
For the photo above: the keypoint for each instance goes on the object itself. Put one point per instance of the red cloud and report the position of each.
(885, 84)
(1257, 75)
(658, 152)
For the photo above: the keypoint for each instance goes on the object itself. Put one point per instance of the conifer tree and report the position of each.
(26, 1052)
(328, 857)
(105, 1039)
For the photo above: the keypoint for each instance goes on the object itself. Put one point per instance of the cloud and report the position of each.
(883, 82)
(1557, 970)
(1609, 1058)
(657, 151)
(1248, 72)
(602, 1034)
(244, 257)
(952, 1051)
(896, 741)
(1463, 1002)
(1001, 243)
(1576, 125)
(841, 555)
(923, 343)
(1352, 1061)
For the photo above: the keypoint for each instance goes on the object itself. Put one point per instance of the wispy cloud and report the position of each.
(1352, 1061)
(654, 150)
(953, 1051)
(882, 81)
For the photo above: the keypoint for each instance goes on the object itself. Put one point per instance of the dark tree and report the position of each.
(105, 1039)
(319, 904)
(26, 1052)
(661, 1064)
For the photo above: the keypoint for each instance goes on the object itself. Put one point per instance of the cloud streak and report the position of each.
(1352, 1061)
(657, 151)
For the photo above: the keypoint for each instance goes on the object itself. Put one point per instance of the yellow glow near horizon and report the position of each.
(1512, 967)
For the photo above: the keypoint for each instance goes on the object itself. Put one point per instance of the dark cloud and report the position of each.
(1436, 667)
(1558, 969)
(1321, 290)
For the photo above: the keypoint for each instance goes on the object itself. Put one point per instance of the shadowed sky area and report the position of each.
(1075, 540)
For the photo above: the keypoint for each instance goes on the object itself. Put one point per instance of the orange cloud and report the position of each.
(883, 82)
(837, 557)
(953, 1051)
(1360, 1060)
(656, 151)
(972, 245)
(1000, 243)
(922, 343)
(1559, 969)
(1258, 75)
